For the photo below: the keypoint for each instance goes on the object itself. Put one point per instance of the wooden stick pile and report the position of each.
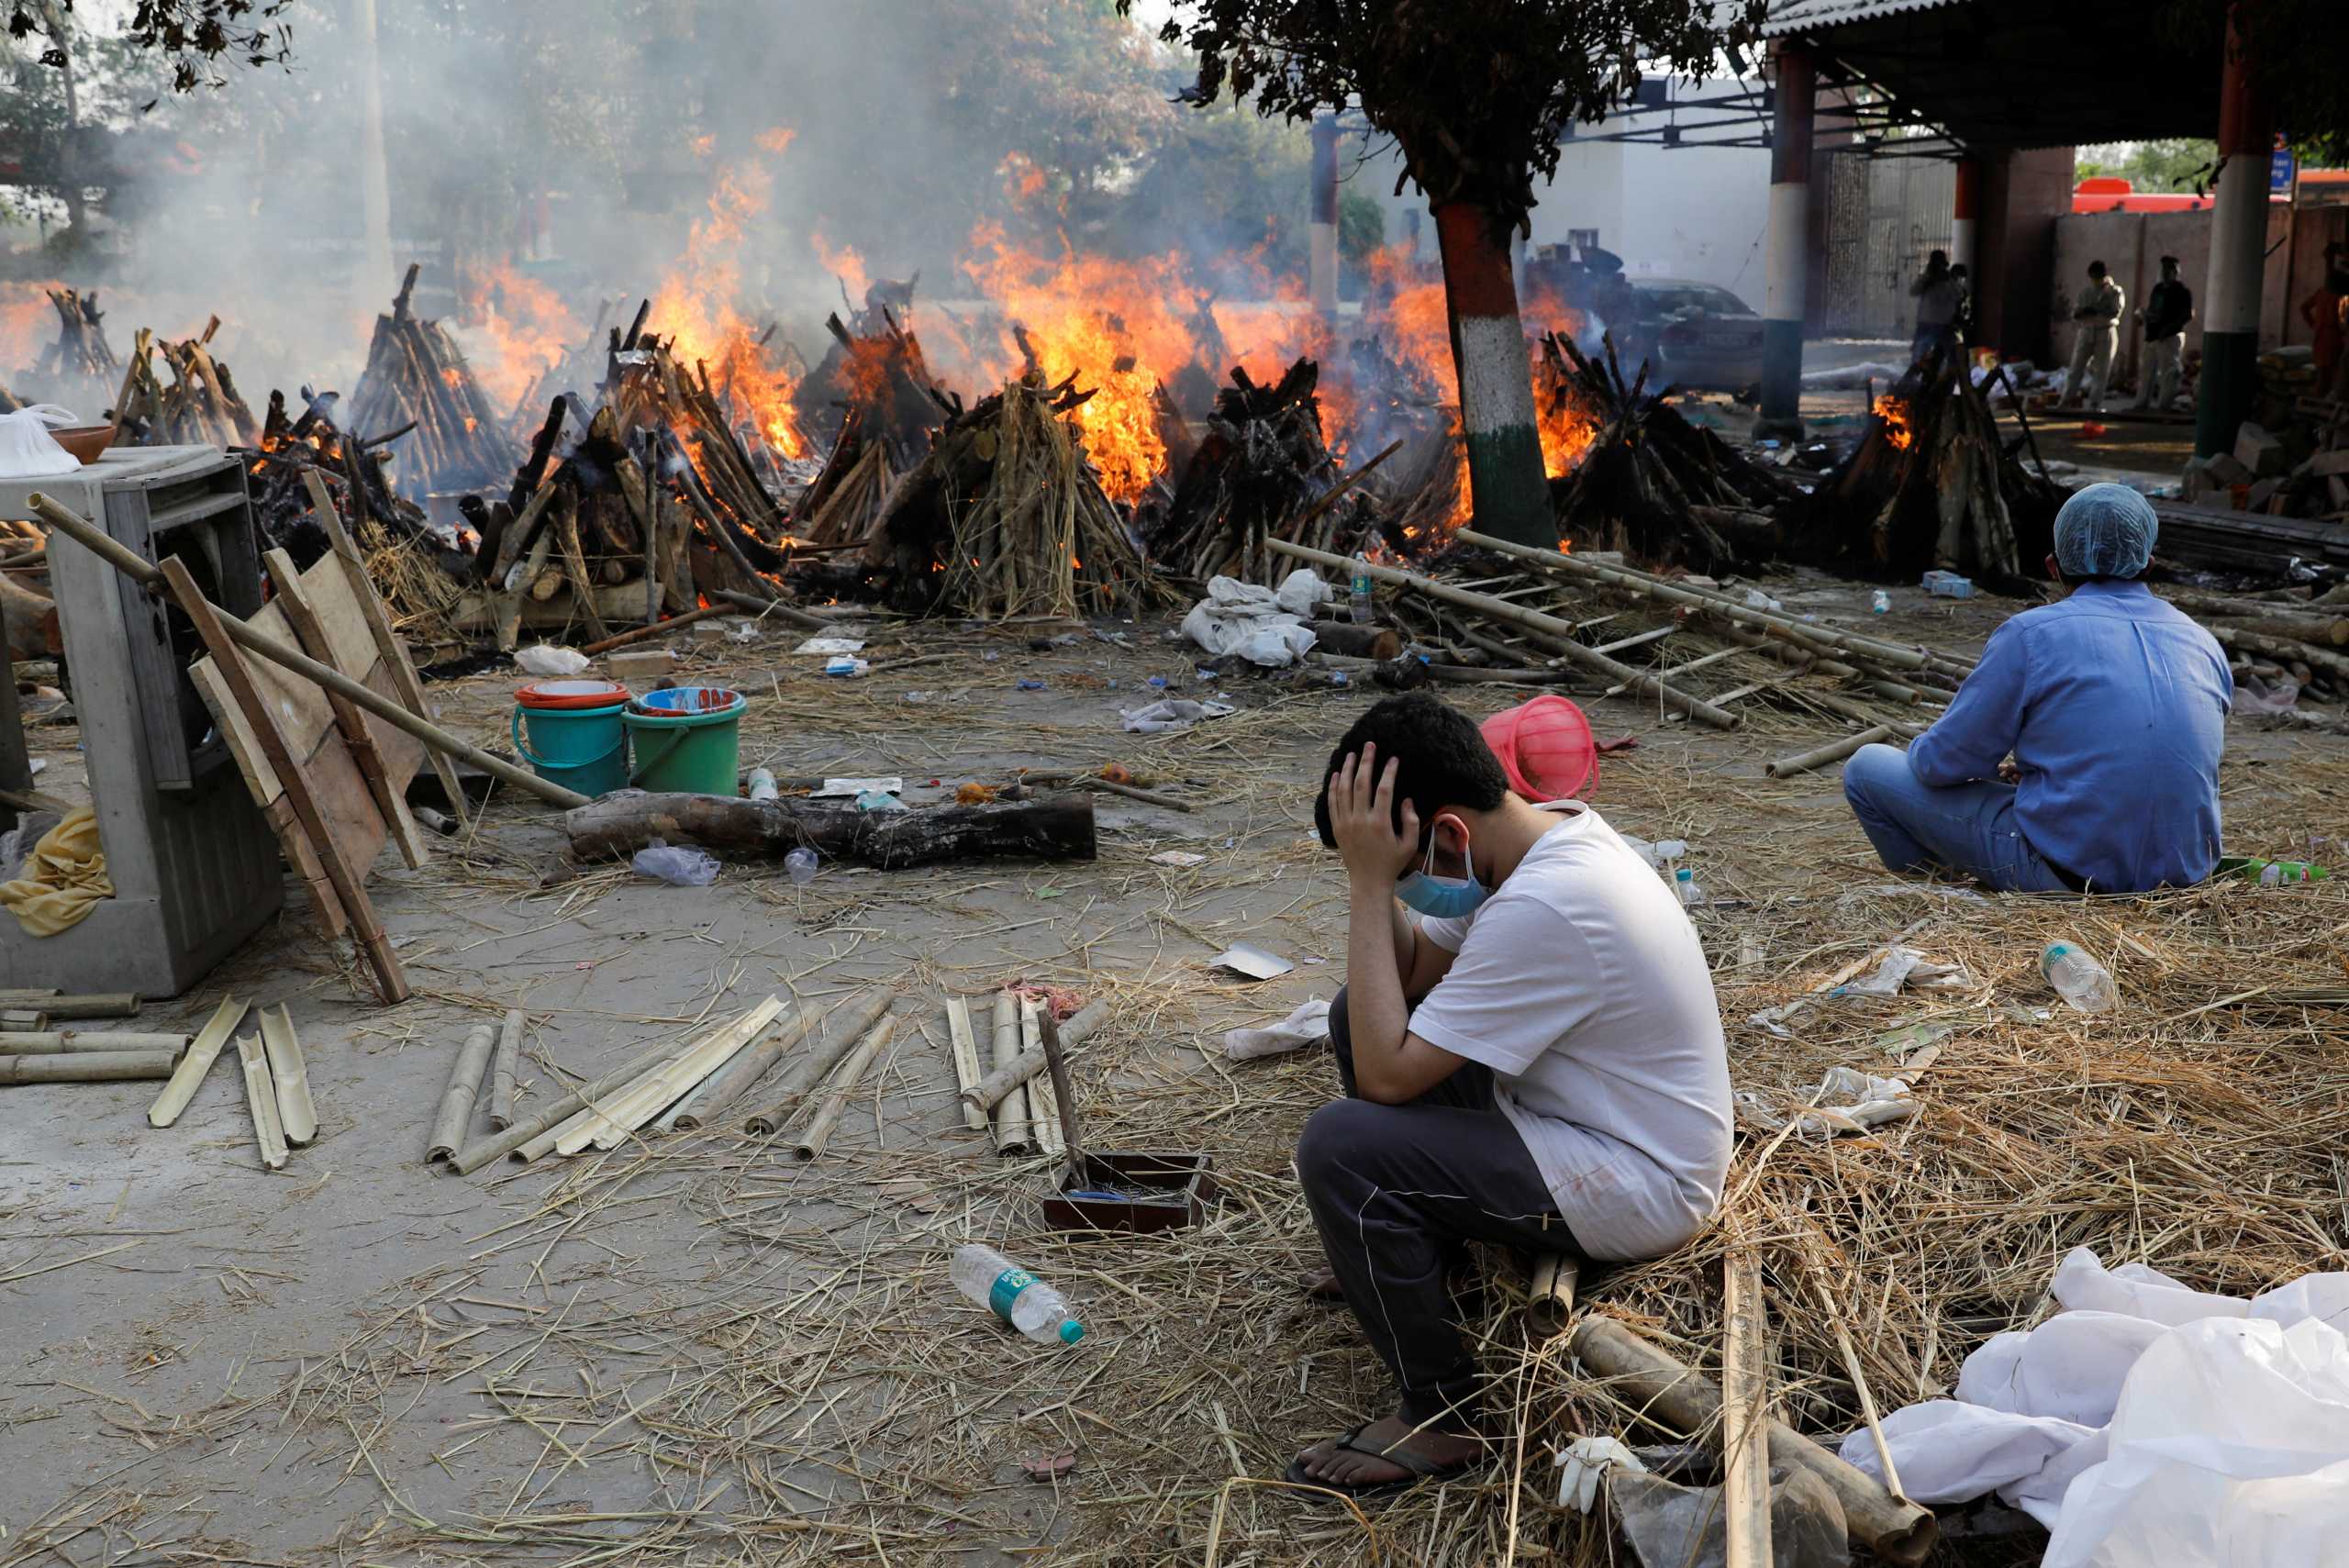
(1258, 470)
(1005, 518)
(200, 408)
(291, 449)
(80, 349)
(417, 381)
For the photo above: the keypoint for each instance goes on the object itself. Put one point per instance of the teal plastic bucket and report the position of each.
(573, 734)
(687, 738)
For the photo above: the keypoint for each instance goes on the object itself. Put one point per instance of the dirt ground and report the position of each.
(695, 1349)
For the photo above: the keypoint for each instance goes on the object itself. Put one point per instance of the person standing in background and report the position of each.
(1939, 294)
(2323, 310)
(2096, 316)
(2168, 307)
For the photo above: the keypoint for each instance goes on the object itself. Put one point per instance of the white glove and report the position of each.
(1584, 1462)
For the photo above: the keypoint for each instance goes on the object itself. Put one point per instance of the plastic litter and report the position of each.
(1546, 747)
(762, 784)
(1948, 585)
(1025, 684)
(1583, 1464)
(1264, 626)
(801, 865)
(2077, 977)
(27, 448)
(1019, 1299)
(1881, 604)
(1308, 1024)
(544, 659)
(1672, 1526)
(1174, 714)
(677, 867)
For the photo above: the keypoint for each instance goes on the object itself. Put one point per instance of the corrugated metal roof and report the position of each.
(1815, 15)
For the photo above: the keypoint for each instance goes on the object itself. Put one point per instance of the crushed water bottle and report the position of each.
(1881, 604)
(762, 784)
(1685, 884)
(801, 865)
(1358, 606)
(2078, 978)
(1018, 1298)
(678, 868)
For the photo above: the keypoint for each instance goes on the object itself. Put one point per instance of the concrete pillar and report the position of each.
(2238, 257)
(1965, 213)
(1322, 234)
(1784, 260)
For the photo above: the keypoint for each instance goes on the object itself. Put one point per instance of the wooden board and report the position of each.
(307, 721)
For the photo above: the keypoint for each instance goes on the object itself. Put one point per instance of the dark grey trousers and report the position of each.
(1394, 1191)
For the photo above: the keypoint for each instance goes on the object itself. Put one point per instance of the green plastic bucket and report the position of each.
(687, 738)
(574, 734)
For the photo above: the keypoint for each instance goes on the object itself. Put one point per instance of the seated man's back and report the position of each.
(2122, 701)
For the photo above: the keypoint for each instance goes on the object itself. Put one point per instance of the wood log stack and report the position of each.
(2279, 637)
(416, 382)
(1650, 485)
(1256, 473)
(1005, 518)
(200, 408)
(81, 351)
(1931, 485)
(875, 375)
(278, 470)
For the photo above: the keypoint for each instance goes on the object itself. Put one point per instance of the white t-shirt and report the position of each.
(1582, 985)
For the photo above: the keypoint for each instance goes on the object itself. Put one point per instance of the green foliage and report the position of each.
(1477, 93)
(2172, 163)
(2299, 53)
(191, 37)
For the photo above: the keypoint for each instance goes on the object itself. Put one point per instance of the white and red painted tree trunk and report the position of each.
(1507, 484)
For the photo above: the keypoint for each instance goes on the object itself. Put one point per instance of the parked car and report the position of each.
(1699, 336)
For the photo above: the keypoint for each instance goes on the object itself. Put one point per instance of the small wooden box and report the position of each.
(1181, 1188)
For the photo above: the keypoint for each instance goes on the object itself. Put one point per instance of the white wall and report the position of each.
(1683, 212)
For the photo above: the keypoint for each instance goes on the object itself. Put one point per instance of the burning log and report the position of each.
(416, 382)
(280, 464)
(1649, 483)
(875, 375)
(1929, 485)
(201, 407)
(1257, 473)
(1005, 518)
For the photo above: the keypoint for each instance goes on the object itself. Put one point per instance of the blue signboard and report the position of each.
(2280, 168)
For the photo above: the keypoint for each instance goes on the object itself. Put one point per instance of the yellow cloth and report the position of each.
(67, 874)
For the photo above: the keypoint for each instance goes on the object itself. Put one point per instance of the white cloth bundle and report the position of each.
(27, 448)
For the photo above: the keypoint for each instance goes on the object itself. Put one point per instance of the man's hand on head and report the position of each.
(1362, 821)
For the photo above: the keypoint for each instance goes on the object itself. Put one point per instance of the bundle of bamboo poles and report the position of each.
(417, 379)
(2307, 640)
(200, 408)
(1005, 518)
(845, 505)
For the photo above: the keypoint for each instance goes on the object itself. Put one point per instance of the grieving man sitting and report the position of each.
(2112, 705)
(1536, 1062)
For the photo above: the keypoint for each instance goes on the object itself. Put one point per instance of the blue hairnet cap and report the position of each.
(2105, 531)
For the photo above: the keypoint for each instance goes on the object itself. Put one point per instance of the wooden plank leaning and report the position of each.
(81, 532)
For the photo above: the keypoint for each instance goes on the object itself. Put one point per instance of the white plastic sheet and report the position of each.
(2150, 1425)
(1264, 626)
(27, 448)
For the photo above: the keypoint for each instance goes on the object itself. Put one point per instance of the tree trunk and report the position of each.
(1507, 483)
(1051, 827)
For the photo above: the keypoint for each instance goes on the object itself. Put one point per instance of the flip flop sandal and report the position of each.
(1420, 1468)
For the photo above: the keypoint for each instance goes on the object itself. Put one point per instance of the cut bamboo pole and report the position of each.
(990, 1092)
(519, 1138)
(456, 1115)
(260, 1099)
(291, 1074)
(58, 1041)
(747, 1066)
(965, 1046)
(1517, 615)
(1550, 1298)
(1011, 1111)
(1859, 1377)
(1745, 1413)
(501, 1070)
(23, 1020)
(98, 1004)
(834, 1038)
(81, 532)
(1669, 1393)
(1834, 751)
(196, 1062)
(1043, 1099)
(87, 1067)
(665, 1084)
(850, 1072)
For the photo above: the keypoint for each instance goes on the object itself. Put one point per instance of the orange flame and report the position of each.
(1893, 413)
(523, 329)
(694, 307)
(843, 264)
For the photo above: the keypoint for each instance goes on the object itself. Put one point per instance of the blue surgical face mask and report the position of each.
(1441, 897)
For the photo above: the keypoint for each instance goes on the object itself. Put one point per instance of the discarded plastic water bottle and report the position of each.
(2078, 978)
(678, 868)
(763, 786)
(1358, 606)
(801, 864)
(1685, 883)
(1016, 1296)
(1881, 604)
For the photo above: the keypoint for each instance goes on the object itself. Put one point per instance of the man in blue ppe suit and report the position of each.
(2112, 706)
